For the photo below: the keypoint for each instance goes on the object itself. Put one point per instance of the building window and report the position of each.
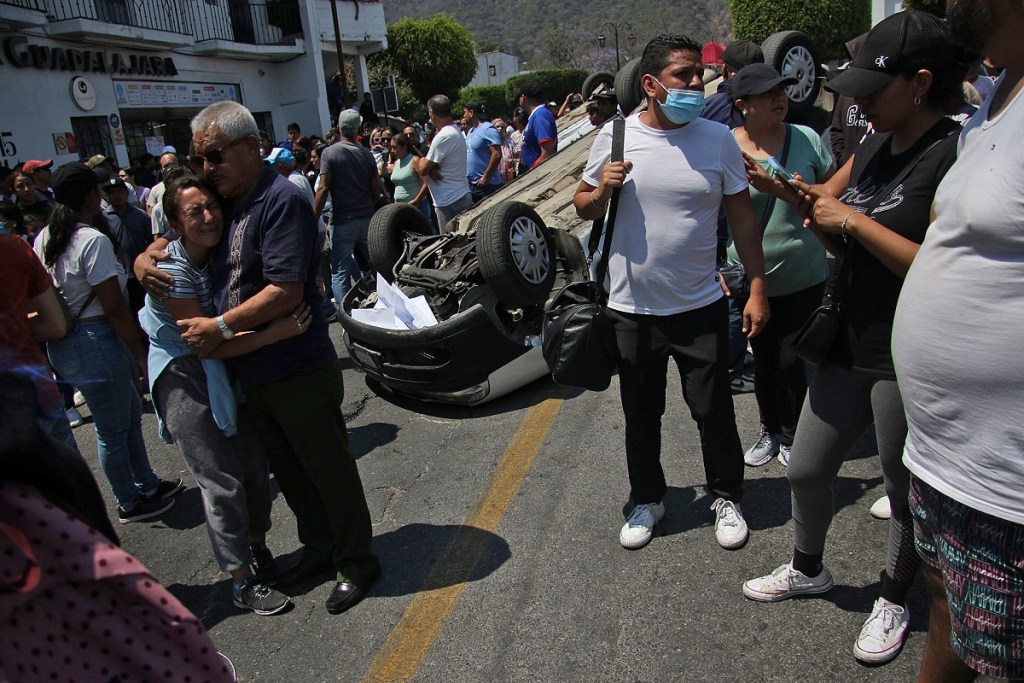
(93, 136)
(492, 70)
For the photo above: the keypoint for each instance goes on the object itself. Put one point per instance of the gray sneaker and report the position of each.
(784, 453)
(763, 450)
(257, 597)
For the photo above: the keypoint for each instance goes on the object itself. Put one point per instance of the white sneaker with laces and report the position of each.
(881, 509)
(79, 399)
(639, 528)
(784, 453)
(786, 582)
(763, 450)
(882, 635)
(730, 527)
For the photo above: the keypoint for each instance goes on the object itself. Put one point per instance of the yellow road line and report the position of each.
(410, 641)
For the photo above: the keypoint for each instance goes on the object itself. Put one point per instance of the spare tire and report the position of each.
(627, 87)
(516, 253)
(595, 79)
(794, 53)
(386, 237)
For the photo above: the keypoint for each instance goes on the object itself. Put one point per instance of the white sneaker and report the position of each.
(75, 417)
(880, 509)
(638, 529)
(763, 450)
(784, 453)
(882, 635)
(786, 582)
(79, 398)
(730, 527)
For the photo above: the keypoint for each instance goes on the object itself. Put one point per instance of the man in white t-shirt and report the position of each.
(445, 163)
(665, 298)
(956, 350)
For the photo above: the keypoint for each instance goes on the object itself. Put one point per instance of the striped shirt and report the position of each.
(190, 282)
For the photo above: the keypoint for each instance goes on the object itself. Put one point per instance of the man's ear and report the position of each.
(649, 85)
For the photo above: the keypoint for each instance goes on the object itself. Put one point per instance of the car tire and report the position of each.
(595, 79)
(794, 53)
(627, 87)
(386, 237)
(516, 254)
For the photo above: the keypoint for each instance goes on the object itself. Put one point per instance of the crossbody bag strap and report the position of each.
(88, 300)
(618, 146)
(770, 206)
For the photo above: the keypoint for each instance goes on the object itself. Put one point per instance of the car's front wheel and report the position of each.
(516, 254)
(389, 228)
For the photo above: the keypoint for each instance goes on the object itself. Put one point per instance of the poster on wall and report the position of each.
(65, 143)
(155, 145)
(144, 94)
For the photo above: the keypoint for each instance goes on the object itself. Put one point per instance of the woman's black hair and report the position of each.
(177, 185)
(947, 89)
(11, 215)
(63, 224)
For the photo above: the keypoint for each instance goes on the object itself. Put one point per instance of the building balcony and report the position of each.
(133, 23)
(15, 14)
(248, 29)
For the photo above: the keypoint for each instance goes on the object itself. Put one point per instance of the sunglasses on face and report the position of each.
(213, 156)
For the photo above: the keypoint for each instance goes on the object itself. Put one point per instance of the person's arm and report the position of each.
(564, 109)
(120, 317)
(203, 334)
(322, 193)
(492, 164)
(51, 319)
(294, 323)
(547, 150)
(592, 202)
(422, 193)
(376, 188)
(155, 281)
(423, 166)
(746, 236)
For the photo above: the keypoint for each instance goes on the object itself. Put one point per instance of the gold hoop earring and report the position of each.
(917, 101)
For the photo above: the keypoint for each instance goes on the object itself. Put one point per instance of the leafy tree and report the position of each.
(434, 56)
(494, 97)
(555, 83)
(559, 48)
(829, 22)
(410, 107)
(483, 46)
(936, 7)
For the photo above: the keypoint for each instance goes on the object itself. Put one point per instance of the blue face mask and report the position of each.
(681, 106)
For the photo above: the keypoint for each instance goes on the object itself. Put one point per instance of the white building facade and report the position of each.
(123, 77)
(494, 68)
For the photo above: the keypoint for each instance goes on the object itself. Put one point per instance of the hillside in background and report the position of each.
(519, 27)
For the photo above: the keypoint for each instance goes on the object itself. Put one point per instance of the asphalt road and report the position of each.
(497, 528)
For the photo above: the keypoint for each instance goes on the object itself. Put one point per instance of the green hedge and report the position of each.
(494, 97)
(555, 83)
(830, 22)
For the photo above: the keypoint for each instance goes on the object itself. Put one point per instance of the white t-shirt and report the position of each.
(956, 340)
(663, 255)
(87, 261)
(448, 151)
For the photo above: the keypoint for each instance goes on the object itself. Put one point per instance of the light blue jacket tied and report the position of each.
(165, 344)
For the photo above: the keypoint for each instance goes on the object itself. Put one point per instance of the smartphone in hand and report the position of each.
(780, 170)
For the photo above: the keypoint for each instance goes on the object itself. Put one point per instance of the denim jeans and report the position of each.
(93, 359)
(346, 238)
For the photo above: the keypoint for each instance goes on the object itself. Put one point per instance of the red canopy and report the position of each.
(711, 54)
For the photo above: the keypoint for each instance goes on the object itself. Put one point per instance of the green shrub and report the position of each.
(494, 97)
(829, 22)
(936, 7)
(554, 83)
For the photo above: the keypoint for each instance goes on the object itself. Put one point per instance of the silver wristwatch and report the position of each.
(224, 329)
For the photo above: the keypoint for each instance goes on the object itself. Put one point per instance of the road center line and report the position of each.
(405, 650)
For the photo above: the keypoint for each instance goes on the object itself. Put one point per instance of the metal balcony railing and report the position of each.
(39, 5)
(160, 15)
(267, 22)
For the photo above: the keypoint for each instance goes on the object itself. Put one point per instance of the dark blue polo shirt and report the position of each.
(719, 107)
(272, 237)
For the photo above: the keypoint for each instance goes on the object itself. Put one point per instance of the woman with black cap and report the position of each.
(794, 259)
(873, 214)
(94, 356)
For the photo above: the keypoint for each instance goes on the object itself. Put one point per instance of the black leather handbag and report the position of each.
(578, 338)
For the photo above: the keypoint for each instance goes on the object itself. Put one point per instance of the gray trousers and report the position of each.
(232, 472)
(446, 213)
(839, 407)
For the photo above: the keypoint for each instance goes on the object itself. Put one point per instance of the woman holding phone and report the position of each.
(873, 214)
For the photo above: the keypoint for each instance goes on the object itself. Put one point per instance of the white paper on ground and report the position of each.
(378, 317)
(406, 313)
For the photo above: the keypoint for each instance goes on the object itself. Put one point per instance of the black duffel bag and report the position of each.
(579, 338)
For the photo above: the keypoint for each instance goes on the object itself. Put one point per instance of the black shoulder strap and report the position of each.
(770, 206)
(618, 145)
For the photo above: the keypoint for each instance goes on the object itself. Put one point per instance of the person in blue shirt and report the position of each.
(719, 107)
(483, 151)
(540, 139)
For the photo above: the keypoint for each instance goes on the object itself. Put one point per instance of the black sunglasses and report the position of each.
(213, 156)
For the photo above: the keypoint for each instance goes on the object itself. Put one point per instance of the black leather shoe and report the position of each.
(346, 595)
(308, 567)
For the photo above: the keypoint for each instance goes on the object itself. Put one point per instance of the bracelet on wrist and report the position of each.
(842, 228)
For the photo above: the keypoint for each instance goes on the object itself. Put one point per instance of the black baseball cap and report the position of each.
(475, 106)
(906, 41)
(72, 183)
(757, 79)
(740, 53)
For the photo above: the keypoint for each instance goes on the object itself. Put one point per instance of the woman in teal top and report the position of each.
(795, 264)
(410, 187)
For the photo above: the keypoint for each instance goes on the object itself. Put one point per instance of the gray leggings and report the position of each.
(839, 407)
(232, 472)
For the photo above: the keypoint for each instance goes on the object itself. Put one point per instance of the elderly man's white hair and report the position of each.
(233, 119)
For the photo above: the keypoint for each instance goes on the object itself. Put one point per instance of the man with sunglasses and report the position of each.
(664, 296)
(266, 264)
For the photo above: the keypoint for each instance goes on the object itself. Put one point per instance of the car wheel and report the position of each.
(386, 237)
(605, 78)
(794, 53)
(516, 254)
(627, 87)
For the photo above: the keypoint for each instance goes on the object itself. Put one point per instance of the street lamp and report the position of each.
(615, 31)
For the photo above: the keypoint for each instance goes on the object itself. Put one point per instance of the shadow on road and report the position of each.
(363, 439)
(520, 399)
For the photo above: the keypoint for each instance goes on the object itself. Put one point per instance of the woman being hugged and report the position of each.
(873, 213)
(794, 259)
(97, 356)
(196, 402)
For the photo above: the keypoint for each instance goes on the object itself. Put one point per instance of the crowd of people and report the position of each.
(211, 292)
